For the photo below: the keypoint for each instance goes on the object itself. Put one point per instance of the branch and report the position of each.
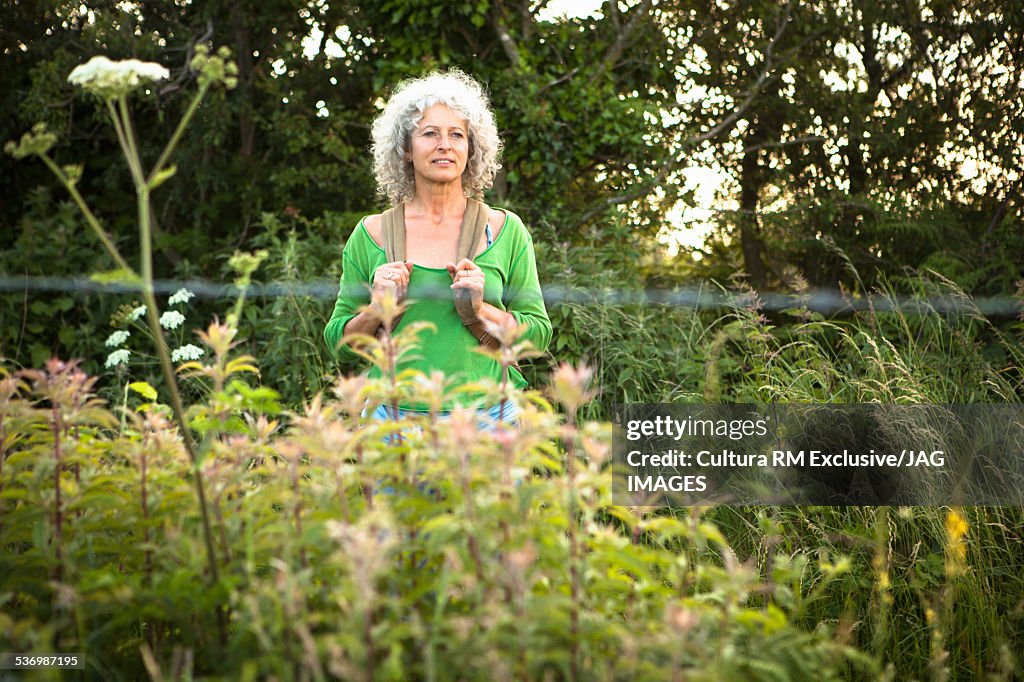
(561, 79)
(527, 15)
(763, 79)
(90, 218)
(625, 33)
(779, 143)
(727, 122)
(501, 28)
(615, 14)
(643, 189)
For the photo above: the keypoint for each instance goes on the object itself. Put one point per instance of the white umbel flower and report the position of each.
(118, 357)
(107, 78)
(186, 352)
(180, 296)
(136, 313)
(172, 319)
(117, 338)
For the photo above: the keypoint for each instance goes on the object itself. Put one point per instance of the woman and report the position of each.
(456, 262)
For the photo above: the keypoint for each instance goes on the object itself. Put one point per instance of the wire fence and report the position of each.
(824, 301)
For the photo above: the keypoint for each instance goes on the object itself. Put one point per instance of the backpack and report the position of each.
(474, 222)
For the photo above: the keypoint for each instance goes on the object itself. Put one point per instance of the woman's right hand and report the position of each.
(391, 276)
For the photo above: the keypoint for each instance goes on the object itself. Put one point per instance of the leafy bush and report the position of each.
(368, 550)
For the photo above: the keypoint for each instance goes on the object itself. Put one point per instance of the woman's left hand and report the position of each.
(468, 278)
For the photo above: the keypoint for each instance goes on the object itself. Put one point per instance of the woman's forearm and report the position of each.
(363, 323)
(493, 315)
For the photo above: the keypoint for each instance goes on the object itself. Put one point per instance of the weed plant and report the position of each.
(241, 539)
(345, 552)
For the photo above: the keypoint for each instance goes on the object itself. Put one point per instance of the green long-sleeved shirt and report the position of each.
(510, 283)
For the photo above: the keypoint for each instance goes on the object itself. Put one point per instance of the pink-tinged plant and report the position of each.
(11, 386)
(112, 82)
(570, 386)
(220, 338)
(68, 392)
(509, 354)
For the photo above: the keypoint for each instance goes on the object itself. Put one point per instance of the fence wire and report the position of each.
(827, 302)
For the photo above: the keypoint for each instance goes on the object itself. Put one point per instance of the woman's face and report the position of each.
(439, 149)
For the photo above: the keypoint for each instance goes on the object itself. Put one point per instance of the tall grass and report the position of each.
(904, 600)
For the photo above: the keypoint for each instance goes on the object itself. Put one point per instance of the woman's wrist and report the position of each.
(363, 323)
(491, 315)
(487, 316)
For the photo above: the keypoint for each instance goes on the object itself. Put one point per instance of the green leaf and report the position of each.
(119, 276)
(143, 389)
(163, 176)
(66, 335)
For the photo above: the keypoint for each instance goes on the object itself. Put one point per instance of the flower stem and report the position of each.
(57, 517)
(126, 134)
(173, 142)
(574, 569)
(89, 217)
(153, 318)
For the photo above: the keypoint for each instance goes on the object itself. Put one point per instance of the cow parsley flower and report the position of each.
(172, 319)
(118, 357)
(180, 296)
(117, 338)
(186, 352)
(108, 79)
(137, 313)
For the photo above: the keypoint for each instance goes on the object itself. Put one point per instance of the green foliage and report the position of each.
(343, 550)
(341, 554)
(336, 547)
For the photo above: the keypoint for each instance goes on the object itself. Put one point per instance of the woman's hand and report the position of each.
(468, 284)
(391, 277)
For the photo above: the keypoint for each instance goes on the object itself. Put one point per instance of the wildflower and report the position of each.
(365, 545)
(681, 618)
(172, 319)
(109, 79)
(118, 357)
(956, 548)
(216, 68)
(245, 264)
(39, 141)
(186, 352)
(136, 313)
(956, 526)
(117, 338)
(180, 296)
(569, 385)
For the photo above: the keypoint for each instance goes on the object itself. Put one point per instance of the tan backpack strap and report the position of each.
(474, 223)
(393, 232)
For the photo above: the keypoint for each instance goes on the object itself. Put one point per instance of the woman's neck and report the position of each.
(438, 203)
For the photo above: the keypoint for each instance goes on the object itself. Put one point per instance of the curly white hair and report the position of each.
(392, 133)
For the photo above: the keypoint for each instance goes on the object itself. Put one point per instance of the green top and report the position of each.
(510, 283)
